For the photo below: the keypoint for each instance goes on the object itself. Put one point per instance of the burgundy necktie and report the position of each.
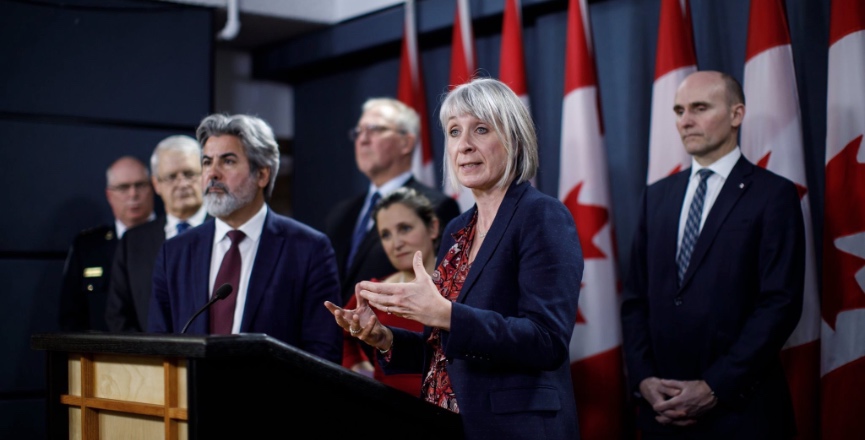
(222, 312)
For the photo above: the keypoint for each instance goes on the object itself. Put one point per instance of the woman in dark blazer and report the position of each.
(499, 310)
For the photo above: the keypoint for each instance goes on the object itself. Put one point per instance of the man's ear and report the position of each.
(153, 182)
(263, 177)
(737, 115)
(410, 142)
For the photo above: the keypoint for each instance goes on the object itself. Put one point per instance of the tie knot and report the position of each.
(236, 236)
(704, 173)
(182, 226)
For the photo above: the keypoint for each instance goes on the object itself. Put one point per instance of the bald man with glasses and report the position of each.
(384, 141)
(86, 273)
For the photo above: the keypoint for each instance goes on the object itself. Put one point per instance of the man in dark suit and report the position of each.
(716, 283)
(175, 167)
(88, 263)
(280, 270)
(384, 141)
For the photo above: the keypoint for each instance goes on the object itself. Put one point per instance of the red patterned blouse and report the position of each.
(449, 278)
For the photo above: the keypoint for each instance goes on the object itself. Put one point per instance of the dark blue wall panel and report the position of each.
(70, 196)
(140, 62)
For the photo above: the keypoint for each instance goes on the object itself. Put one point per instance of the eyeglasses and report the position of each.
(371, 130)
(125, 187)
(180, 175)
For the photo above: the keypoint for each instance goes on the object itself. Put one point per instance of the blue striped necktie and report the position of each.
(692, 225)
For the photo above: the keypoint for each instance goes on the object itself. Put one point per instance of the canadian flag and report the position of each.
(596, 356)
(462, 69)
(512, 70)
(410, 90)
(843, 331)
(674, 60)
(772, 138)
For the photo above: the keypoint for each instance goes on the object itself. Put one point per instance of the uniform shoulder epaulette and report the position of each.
(105, 231)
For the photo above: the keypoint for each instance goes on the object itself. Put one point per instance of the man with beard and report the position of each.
(280, 271)
(88, 264)
(175, 169)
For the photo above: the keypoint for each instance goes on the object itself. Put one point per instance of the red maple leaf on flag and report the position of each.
(589, 219)
(764, 163)
(845, 216)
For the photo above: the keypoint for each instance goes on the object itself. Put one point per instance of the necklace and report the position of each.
(482, 235)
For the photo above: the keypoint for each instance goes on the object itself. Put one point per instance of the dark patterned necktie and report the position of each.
(182, 226)
(222, 312)
(692, 225)
(360, 231)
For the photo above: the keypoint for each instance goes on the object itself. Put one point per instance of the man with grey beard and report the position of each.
(280, 270)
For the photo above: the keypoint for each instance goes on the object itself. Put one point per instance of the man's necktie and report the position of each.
(182, 226)
(360, 231)
(222, 312)
(692, 225)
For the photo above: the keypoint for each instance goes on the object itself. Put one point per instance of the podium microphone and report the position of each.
(221, 293)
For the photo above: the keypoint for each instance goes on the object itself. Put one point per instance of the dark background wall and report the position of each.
(81, 83)
(333, 71)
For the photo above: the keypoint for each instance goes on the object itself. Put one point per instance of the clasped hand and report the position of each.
(677, 402)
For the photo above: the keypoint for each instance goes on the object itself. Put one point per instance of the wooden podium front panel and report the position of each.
(124, 396)
(129, 378)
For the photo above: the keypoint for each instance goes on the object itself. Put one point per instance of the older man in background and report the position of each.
(175, 168)
(88, 264)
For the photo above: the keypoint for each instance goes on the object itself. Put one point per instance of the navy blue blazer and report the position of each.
(294, 273)
(740, 300)
(511, 325)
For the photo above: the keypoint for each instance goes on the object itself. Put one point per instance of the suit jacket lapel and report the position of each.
(736, 184)
(347, 234)
(269, 246)
(203, 246)
(500, 224)
(670, 211)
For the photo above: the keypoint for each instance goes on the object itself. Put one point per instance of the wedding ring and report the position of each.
(355, 332)
(387, 310)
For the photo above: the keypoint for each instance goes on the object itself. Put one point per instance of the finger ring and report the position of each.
(354, 332)
(387, 310)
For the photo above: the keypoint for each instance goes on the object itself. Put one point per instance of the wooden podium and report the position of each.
(149, 386)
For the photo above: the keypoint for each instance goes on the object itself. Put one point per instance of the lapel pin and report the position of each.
(741, 185)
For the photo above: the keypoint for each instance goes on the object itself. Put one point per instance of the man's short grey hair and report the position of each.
(255, 135)
(493, 102)
(180, 143)
(403, 116)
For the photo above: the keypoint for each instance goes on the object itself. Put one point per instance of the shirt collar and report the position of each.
(121, 228)
(252, 228)
(194, 220)
(722, 167)
(391, 185)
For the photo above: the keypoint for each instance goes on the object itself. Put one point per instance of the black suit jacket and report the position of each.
(371, 260)
(131, 282)
(740, 300)
(293, 274)
(85, 279)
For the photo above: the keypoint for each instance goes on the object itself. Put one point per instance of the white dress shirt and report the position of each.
(721, 169)
(248, 249)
